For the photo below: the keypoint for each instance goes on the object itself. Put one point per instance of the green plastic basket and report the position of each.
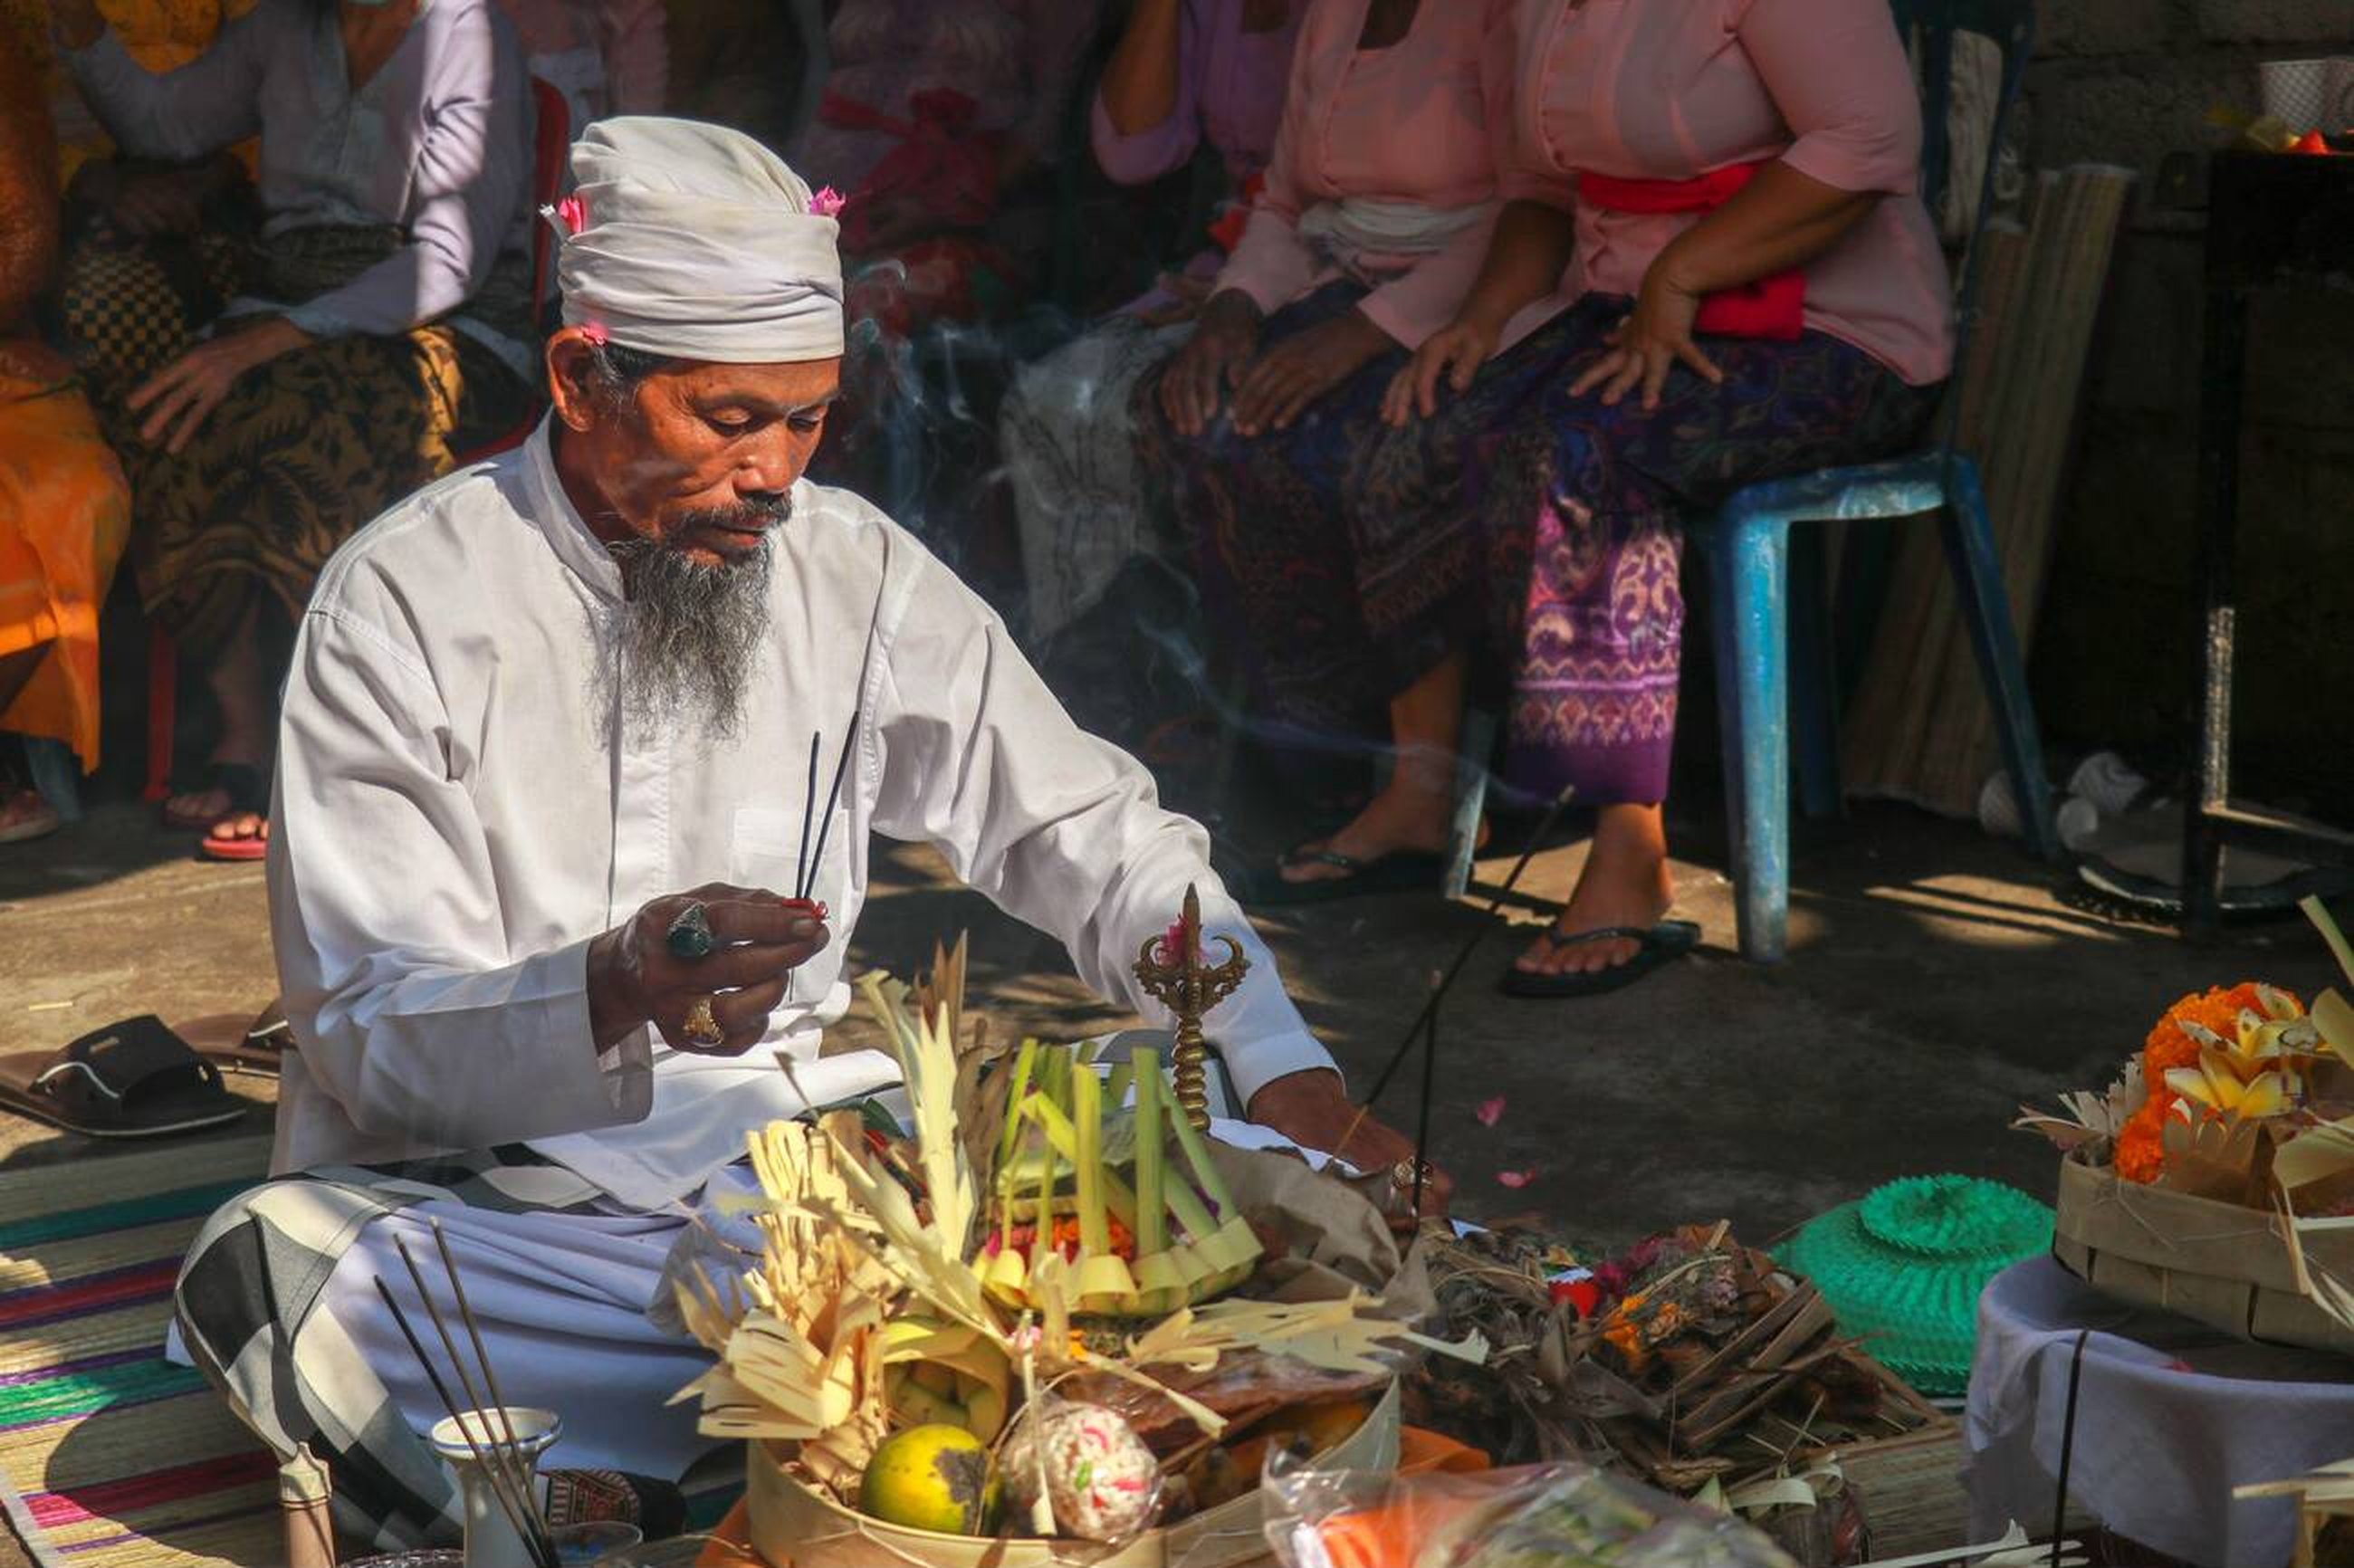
(1902, 1268)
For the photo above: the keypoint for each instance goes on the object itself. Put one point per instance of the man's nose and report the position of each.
(769, 465)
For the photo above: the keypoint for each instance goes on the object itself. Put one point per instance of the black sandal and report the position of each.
(1400, 871)
(1660, 945)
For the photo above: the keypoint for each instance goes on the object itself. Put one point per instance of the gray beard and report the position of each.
(679, 649)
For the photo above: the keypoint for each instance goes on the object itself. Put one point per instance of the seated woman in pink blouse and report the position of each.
(1727, 187)
(1375, 213)
(1183, 73)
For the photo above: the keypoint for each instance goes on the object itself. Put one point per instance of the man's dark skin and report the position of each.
(695, 439)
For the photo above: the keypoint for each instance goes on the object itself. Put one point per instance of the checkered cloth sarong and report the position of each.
(247, 1309)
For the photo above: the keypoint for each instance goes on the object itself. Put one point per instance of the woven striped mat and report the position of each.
(110, 1457)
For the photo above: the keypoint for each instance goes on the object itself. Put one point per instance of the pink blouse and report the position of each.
(1229, 89)
(1408, 123)
(1673, 88)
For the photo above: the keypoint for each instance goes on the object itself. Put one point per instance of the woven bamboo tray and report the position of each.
(796, 1526)
(2223, 1264)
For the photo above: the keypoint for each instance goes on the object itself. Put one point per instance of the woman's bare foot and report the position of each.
(1626, 882)
(1402, 817)
(245, 827)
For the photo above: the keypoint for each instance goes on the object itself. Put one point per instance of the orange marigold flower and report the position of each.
(2141, 1144)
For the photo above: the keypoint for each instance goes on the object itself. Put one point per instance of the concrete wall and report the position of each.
(2127, 81)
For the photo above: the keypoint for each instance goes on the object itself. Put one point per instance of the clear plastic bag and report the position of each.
(1535, 1516)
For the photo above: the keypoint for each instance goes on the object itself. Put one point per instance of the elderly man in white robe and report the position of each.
(559, 707)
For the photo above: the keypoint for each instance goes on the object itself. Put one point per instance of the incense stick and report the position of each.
(1470, 944)
(482, 1353)
(536, 1532)
(1429, 1092)
(465, 1434)
(832, 800)
(808, 805)
(1462, 956)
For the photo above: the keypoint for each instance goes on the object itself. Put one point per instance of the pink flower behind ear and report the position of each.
(594, 332)
(573, 214)
(828, 203)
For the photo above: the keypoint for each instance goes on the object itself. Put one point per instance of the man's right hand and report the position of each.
(1224, 340)
(635, 980)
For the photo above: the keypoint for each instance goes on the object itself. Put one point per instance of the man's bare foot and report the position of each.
(1626, 882)
(1396, 819)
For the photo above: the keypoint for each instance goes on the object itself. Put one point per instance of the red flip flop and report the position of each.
(235, 846)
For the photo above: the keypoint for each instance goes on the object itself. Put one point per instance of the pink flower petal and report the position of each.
(594, 332)
(573, 214)
(1516, 1179)
(828, 203)
(1490, 1112)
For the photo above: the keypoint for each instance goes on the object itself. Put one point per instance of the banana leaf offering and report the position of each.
(1126, 1196)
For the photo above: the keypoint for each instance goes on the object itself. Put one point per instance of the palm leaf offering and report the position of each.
(1139, 1248)
(1048, 1217)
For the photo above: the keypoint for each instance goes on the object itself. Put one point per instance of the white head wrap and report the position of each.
(696, 242)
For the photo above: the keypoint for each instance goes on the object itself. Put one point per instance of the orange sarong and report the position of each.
(65, 516)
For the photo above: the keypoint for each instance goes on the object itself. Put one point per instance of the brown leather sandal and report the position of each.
(131, 1080)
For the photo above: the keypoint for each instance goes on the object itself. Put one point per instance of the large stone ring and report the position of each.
(690, 937)
(1403, 1174)
(700, 1028)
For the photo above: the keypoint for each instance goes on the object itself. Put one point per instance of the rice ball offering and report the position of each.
(1101, 1482)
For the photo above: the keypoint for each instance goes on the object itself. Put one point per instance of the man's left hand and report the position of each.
(1314, 1111)
(178, 399)
(1296, 372)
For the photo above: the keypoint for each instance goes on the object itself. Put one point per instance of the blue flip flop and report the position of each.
(1661, 943)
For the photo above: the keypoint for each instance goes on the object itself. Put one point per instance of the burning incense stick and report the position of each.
(542, 1552)
(809, 804)
(507, 1463)
(474, 1334)
(1438, 991)
(832, 800)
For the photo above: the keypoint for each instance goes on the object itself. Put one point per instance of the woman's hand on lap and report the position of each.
(177, 400)
(1296, 372)
(1651, 342)
(1213, 359)
(1453, 353)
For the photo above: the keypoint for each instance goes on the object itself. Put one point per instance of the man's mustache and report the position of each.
(752, 512)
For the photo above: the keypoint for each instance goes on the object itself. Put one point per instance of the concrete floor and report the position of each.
(1934, 984)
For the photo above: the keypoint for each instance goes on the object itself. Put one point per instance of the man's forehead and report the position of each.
(784, 384)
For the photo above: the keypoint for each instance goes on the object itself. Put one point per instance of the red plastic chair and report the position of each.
(551, 146)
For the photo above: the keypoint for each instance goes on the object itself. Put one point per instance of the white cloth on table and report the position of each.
(462, 804)
(2171, 1416)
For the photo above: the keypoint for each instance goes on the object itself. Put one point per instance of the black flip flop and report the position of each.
(1661, 943)
(131, 1080)
(1400, 871)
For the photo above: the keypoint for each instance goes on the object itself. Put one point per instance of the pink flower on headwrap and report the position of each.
(573, 214)
(828, 203)
(594, 332)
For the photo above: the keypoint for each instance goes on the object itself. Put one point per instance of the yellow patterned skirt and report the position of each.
(303, 452)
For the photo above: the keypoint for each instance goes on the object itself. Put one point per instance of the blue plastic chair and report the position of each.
(1771, 618)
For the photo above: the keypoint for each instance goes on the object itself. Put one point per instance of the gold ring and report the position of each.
(1403, 1174)
(701, 1028)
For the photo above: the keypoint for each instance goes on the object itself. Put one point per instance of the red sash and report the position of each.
(1770, 307)
(940, 161)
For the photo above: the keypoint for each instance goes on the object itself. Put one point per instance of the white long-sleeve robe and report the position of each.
(461, 806)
